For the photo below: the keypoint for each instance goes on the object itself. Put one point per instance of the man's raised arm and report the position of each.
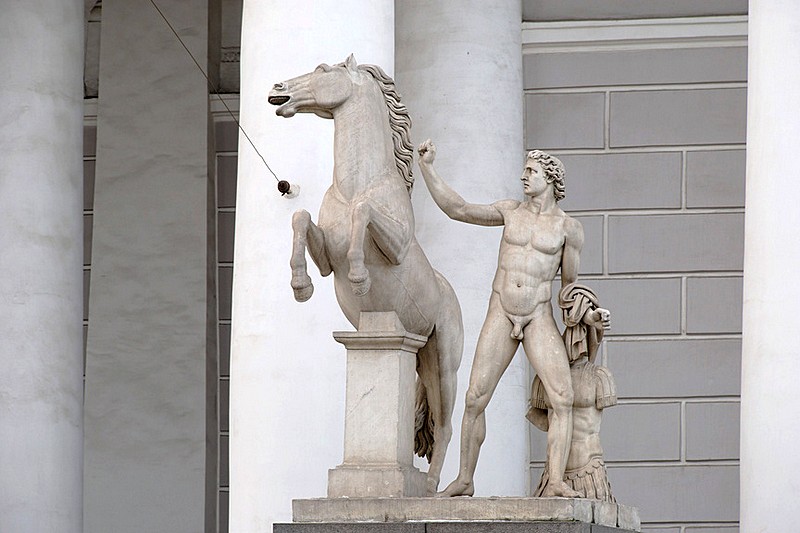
(449, 200)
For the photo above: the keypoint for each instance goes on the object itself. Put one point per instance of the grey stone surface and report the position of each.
(87, 239)
(628, 518)
(224, 404)
(223, 509)
(89, 140)
(516, 509)
(448, 527)
(224, 336)
(678, 117)
(605, 513)
(714, 305)
(226, 223)
(715, 178)
(642, 432)
(226, 180)
(675, 368)
(390, 480)
(634, 67)
(226, 134)
(87, 278)
(656, 436)
(350, 528)
(622, 181)
(224, 451)
(517, 527)
(631, 301)
(712, 430)
(679, 493)
(658, 529)
(675, 243)
(712, 529)
(224, 281)
(592, 251)
(550, 10)
(88, 184)
(564, 120)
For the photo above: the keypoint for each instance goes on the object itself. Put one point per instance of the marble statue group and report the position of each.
(365, 237)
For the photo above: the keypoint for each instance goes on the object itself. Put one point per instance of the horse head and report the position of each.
(319, 92)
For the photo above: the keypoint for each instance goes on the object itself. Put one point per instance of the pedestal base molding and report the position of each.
(373, 482)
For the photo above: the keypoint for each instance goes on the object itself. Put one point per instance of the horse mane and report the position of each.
(400, 122)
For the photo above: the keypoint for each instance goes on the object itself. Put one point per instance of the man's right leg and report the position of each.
(493, 354)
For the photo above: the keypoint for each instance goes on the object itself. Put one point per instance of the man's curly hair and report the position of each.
(553, 171)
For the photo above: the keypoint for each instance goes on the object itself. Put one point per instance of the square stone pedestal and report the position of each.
(461, 514)
(379, 411)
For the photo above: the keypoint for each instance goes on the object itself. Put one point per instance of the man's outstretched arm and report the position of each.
(449, 200)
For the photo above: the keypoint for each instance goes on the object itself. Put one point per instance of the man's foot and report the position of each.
(559, 490)
(431, 484)
(458, 488)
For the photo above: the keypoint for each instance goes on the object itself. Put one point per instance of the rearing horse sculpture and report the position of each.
(365, 234)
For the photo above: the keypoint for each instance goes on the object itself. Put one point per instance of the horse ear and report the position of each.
(350, 62)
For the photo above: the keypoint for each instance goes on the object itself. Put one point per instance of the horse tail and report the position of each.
(423, 424)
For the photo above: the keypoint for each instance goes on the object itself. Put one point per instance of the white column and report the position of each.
(41, 234)
(287, 372)
(770, 426)
(459, 69)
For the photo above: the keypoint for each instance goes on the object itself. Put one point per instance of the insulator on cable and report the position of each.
(287, 189)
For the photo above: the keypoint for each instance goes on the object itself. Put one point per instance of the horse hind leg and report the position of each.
(449, 349)
(439, 362)
(306, 235)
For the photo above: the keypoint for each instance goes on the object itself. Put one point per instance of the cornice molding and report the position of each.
(693, 32)
(218, 110)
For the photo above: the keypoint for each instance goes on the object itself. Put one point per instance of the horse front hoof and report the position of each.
(359, 281)
(303, 289)
(360, 288)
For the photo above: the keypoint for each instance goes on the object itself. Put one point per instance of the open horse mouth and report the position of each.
(278, 100)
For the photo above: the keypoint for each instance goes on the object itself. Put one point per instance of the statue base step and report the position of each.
(449, 527)
(445, 515)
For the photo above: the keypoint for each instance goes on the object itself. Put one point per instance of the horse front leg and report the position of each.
(306, 235)
(392, 237)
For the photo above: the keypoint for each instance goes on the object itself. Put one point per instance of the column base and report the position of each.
(378, 481)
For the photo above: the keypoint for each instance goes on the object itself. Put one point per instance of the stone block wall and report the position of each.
(89, 159)
(227, 135)
(652, 137)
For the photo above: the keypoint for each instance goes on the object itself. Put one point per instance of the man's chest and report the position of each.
(544, 233)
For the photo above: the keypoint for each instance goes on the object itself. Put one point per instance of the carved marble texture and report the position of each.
(365, 233)
(538, 239)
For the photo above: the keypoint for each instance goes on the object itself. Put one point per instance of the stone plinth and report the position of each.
(551, 512)
(379, 411)
(449, 527)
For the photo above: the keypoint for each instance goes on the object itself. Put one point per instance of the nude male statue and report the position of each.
(538, 239)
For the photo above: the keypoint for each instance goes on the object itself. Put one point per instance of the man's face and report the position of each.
(533, 179)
